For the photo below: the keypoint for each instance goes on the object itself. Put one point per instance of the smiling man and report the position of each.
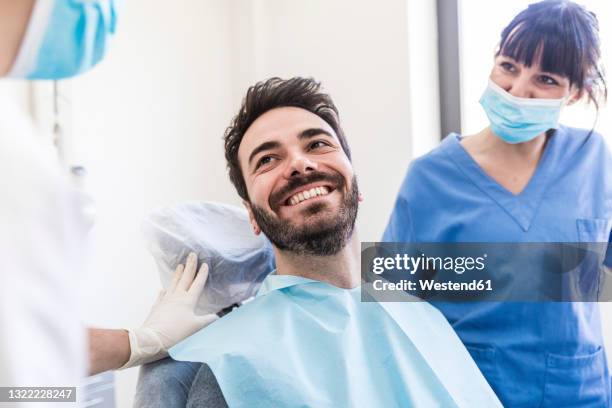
(307, 339)
(290, 163)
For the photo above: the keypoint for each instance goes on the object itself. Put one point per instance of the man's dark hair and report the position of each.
(274, 93)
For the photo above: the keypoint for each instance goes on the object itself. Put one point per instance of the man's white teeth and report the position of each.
(305, 195)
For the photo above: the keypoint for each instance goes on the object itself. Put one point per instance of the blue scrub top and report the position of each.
(532, 354)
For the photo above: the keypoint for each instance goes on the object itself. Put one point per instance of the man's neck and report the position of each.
(342, 269)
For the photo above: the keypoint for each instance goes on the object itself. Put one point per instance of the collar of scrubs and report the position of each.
(520, 207)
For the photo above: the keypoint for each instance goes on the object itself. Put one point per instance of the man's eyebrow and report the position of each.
(263, 147)
(312, 132)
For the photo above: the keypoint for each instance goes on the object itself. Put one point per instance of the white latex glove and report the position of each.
(172, 317)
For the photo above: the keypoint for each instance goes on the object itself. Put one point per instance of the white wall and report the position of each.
(147, 123)
(423, 76)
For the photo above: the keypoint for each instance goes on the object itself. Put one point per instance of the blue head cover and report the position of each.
(307, 343)
(518, 120)
(65, 38)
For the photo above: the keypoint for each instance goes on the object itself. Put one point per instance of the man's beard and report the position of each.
(323, 238)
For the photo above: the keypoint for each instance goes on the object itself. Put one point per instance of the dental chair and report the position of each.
(238, 261)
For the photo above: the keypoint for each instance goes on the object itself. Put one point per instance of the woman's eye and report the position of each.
(507, 66)
(548, 80)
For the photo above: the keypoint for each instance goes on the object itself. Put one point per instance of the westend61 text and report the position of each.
(431, 285)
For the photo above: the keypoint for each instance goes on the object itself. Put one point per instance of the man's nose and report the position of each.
(299, 165)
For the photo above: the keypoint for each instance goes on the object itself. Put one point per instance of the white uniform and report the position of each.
(42, 342)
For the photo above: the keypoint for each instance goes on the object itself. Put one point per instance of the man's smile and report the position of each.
(313, 187)
(308, 193)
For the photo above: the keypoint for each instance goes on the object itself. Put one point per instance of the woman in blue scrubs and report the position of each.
(525, 179)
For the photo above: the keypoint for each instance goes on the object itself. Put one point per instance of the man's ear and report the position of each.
(254, 224)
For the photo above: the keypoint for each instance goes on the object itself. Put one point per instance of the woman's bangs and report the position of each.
(547, 46)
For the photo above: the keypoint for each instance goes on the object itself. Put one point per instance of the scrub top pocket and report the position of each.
(579, 381)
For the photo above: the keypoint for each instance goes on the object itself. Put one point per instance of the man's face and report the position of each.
(302, 189)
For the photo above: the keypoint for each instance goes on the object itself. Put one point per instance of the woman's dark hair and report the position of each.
(274, 93)
(567, 36)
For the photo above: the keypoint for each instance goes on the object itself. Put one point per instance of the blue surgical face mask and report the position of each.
(64, 38)
(518, 120)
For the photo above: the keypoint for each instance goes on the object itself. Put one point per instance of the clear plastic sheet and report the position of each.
(221, 236)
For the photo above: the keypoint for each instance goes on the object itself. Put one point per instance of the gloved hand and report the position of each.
(172, 317)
